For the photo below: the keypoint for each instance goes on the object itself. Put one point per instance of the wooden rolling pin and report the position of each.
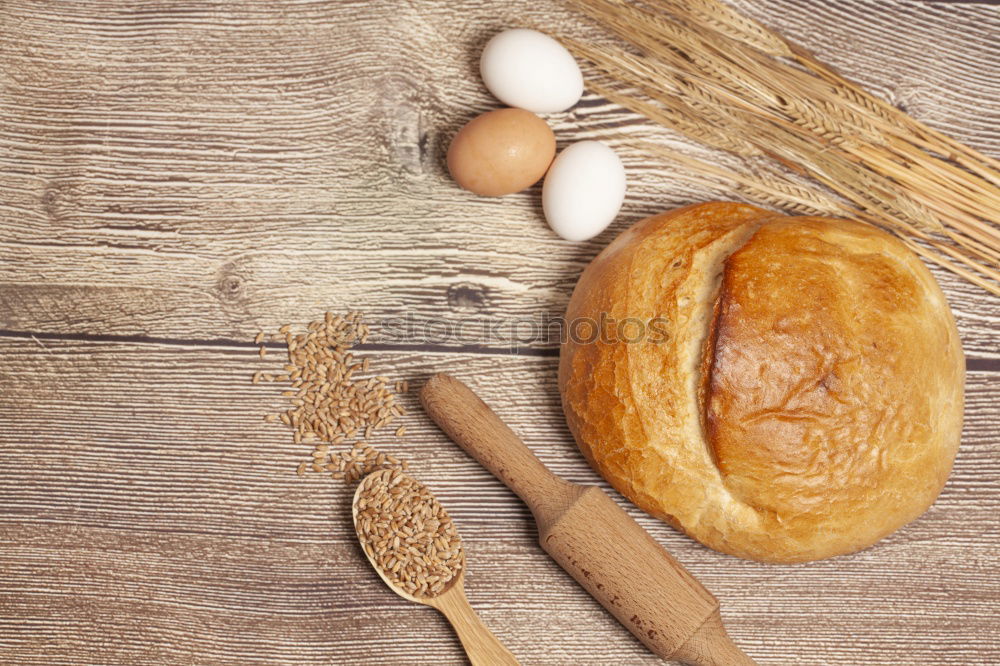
(592, 538)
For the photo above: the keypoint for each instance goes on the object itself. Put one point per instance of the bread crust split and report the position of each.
(807, 400)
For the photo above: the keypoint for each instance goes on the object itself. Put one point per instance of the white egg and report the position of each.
(529, 70)
(584, 190)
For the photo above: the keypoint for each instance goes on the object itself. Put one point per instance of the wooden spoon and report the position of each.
(481, 646)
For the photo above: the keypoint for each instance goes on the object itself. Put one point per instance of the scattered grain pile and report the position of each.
(334, 399)
(407, 534)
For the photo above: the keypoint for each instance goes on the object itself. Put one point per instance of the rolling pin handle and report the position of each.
(471, 424)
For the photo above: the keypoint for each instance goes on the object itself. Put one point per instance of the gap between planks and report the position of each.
(972, 363)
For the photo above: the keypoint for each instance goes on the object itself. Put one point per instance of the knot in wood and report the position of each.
(466, 297)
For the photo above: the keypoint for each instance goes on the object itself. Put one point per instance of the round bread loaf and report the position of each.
(780, 388)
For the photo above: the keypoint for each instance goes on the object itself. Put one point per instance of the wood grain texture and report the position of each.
(265, 155)
(173, 527)
(176, 175)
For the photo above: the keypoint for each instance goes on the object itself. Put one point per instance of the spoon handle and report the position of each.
(481, 646)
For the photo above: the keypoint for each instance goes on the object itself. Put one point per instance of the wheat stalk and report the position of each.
(702, 68)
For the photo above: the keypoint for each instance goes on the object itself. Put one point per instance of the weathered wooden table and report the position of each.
(175, 176)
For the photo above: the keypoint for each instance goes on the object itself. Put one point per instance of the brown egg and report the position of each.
(501, 152)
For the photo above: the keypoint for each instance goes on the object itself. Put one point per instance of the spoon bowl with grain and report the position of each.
(412, 542)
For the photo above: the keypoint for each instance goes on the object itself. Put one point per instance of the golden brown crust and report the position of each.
(808, 399)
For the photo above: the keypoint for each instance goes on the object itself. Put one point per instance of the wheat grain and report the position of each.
(329, 405)
(407, 534)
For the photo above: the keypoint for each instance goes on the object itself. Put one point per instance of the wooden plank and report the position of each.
(190, 177)
(150, 514)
